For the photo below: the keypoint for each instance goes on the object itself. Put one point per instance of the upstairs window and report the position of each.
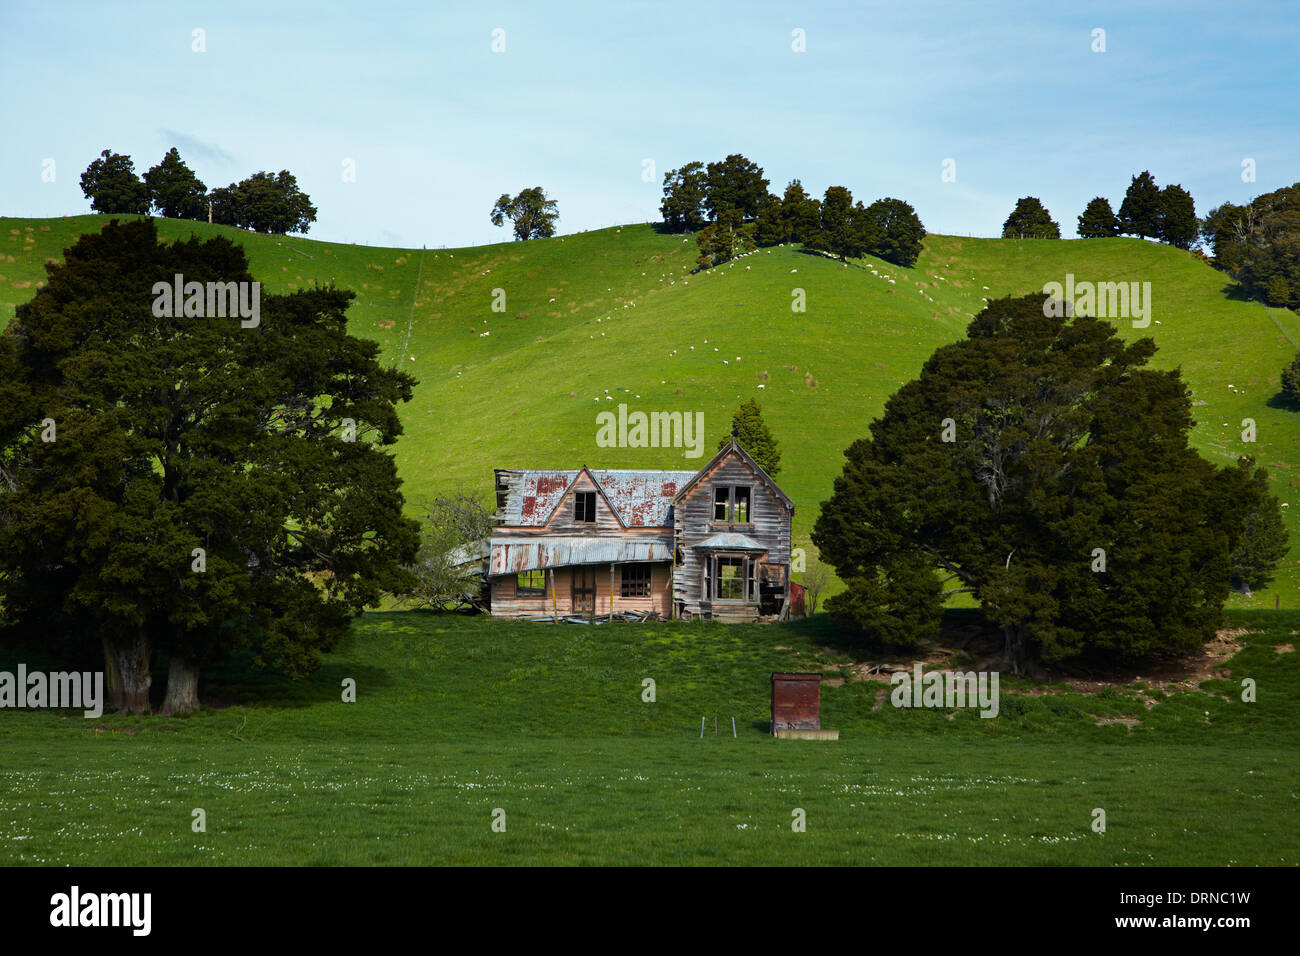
(731, 503)
(584, 506)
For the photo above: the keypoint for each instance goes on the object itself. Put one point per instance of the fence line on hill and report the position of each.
(410, 320)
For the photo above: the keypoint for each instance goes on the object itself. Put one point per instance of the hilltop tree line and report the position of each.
(1167, 214)
(728, 205)
(263, 202)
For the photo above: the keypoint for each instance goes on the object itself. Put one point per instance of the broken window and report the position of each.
(531, 583)
(721, 502)
(584, 506)
(740, 504)
(730, 579)
(731, 503)
(636, 581)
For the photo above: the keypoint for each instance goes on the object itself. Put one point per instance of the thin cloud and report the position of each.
(197, 147)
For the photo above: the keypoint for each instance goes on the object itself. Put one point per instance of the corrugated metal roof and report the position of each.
(641, 499)
(731, 541)
(512, 555)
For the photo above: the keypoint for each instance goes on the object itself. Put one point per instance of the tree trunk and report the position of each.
(126, 672)
(182, 687)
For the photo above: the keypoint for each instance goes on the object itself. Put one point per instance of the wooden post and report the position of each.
(611, 592)
(209, 214)
(555, 609)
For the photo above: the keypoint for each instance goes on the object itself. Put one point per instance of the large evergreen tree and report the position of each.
(1098, 221)
(845, 230)
(752, 434)
(174, 190)
(735, 183)
(1139, 213)
(800, 213)
(1177, 220)
(895, 232)
(1030, 220)
(204, 491)
(1264, 540)
(683, 203)
(1040, 465)
(792, 217)
(1291, 380)
(112, 186)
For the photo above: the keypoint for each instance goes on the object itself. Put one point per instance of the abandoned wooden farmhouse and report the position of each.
(712, 544)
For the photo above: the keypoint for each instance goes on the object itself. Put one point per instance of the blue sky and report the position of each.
(439, 125)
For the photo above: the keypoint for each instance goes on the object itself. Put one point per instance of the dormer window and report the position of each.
(584, 506)
(731, 503)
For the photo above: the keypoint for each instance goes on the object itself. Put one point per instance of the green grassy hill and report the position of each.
(616, 313)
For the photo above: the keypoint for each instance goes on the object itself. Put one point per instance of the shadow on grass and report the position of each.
(820, 629)
(238, 682)
(1283, 402)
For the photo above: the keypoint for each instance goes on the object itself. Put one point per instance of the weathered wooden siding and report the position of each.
(562, 521)
(506, 603)
(769, 525)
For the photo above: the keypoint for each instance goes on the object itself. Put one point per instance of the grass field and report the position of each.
(458, 717)
(602, 313)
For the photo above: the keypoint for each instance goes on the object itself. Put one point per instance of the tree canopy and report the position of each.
(1040, 465)
(532, 214)
(1139, 213)
(723, 240)
(1030, 220)
(735, 183)
(1258, 244)
(174, 479)
(264, 203)
(112, 186)
(683, 203)
(752, 434)
(174, 190)
(1098, 220)
(894, 232)
(1176, 218)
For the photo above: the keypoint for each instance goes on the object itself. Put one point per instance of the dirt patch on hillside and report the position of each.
(970, 648)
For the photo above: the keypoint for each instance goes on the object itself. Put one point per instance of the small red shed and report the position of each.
(796, 702)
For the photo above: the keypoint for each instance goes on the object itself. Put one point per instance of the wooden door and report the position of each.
(584, 589)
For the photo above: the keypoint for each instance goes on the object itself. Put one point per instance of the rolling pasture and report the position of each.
(615, 316)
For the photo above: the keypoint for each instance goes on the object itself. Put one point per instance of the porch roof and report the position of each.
(512, 555)
(731, 541)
